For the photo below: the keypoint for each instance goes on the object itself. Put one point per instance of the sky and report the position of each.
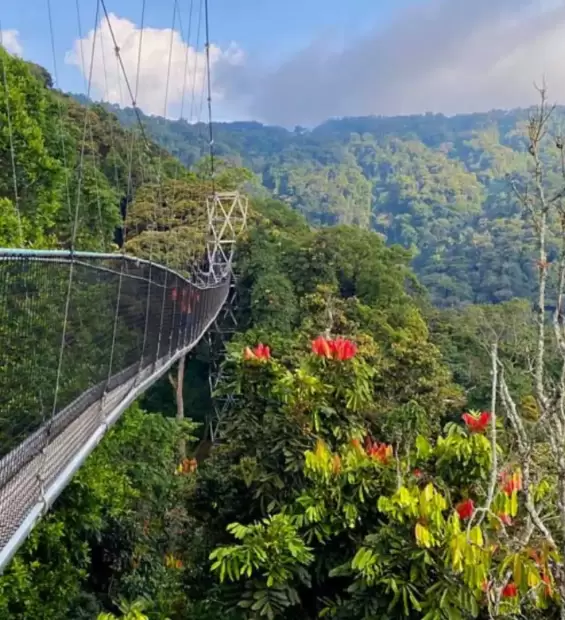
(298, 62)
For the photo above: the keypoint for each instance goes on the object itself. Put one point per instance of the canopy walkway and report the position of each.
(82, 335)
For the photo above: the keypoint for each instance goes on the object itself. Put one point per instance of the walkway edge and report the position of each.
(62, 480)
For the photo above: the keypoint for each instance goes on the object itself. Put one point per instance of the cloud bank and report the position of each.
(450, 56)
(10, 40)
(445, 56)
(187, 68)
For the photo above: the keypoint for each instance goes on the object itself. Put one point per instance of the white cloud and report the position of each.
(440, 55)
(187, 72)
(10, 40)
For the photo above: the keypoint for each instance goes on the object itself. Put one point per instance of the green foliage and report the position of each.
(110, 531)
(67, 159)
(343, 487)
(436, 185)
(345, 530)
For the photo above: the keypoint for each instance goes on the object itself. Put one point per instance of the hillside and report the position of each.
(434, 184)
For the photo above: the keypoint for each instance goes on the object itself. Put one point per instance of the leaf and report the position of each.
(423, 536)
(423, 447)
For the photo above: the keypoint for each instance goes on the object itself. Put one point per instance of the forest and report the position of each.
(396, 445)
(439, 186)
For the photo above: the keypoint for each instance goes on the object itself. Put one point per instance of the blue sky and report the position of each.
(302, 61)
(269, 29)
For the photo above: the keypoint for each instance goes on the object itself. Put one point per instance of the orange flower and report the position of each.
(534, 556)
(356, 444)
(465, 509)
(188, 466)
(321, 347)
(381, 452)
(548, 590)
(477, 424)
(511, 483)
(339, 349)
(260, 352)
(510, 590)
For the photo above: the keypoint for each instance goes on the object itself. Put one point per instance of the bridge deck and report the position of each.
(36, 465)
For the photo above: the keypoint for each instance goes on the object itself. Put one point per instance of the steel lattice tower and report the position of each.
(227, 219)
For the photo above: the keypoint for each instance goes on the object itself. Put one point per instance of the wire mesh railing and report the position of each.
(81, 335)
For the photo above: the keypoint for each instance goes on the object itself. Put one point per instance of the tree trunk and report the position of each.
(178, 385)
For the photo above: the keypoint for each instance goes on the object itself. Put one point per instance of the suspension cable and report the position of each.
(75, 227)
(60, 109)
(195, 68)
(162, 200)
(208, 79)
(117, 50)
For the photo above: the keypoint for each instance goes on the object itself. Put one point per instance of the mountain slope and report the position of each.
(434, 184)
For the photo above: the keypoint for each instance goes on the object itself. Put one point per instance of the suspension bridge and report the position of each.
(83, 334)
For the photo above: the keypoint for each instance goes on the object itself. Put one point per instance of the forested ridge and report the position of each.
(384, 457)
(437, 185)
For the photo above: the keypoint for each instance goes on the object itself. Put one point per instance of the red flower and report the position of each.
(510, 590)
(339, 349)
(382, 452)
(321, 347)
(477, 424)
(465, 509)
(260, 352)
(417, 473)
(343, 349)
(511, 483)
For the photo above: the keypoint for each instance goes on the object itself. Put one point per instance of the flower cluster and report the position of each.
(511, 482)
(381, 452)
(477, 423)
(187, 466)
(260, 352)
(510, 590)
(339, 348)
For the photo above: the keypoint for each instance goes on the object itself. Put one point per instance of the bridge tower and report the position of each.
(227, 220)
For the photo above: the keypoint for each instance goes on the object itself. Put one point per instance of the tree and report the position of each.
(540, 443)
(348, 511)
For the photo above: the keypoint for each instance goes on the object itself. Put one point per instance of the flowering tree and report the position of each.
(343, 522)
